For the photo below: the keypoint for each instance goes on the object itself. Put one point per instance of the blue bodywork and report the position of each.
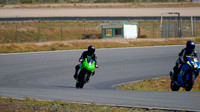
(190, 68)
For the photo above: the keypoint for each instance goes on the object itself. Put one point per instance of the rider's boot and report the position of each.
(76, 72)
(174, 76)
(177, 69)
(75, 76)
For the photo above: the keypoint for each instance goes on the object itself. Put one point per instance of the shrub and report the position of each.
(197, 39)
(2, 3)
(142, 36)
(26, 1)
(53, 48)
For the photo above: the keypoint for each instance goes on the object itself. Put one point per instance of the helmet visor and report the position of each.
(91, 52)
(191, 47)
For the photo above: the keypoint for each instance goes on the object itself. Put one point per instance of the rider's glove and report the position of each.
(96, 66)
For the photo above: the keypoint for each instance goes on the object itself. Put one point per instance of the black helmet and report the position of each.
(190, 45)
(91, 50)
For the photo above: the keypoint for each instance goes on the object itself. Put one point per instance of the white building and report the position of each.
(120, 30)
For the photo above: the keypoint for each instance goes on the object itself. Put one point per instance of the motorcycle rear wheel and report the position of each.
(77, 85)
(81, 85)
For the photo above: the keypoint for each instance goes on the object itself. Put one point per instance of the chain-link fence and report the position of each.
(180, 28)
(35, 31)
(38, 31)
(170, 29)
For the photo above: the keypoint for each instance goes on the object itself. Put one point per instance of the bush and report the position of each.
(53, 48)
(142, 36)
(26, 1)
(197, 39)
(2, 3)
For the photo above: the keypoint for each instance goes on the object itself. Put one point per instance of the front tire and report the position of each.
(81, 78)
(189, 83)
(79, 85)
(174, 86)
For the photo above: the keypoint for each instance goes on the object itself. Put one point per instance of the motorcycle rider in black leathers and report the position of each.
(86, 54)
(188, 51)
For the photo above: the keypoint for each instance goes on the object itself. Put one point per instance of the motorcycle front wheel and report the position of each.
(79, 84)
(189, 83)
(174, 86)
(81, 78)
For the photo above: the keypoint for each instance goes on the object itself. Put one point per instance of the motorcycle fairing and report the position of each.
(88, 64)
(190, 64)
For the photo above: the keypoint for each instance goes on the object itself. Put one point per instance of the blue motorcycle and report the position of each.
(187, 75)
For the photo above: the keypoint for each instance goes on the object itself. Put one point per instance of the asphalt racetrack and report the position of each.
(48, 76)
(60, 14)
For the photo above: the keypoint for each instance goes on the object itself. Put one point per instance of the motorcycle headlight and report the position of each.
(195, 65)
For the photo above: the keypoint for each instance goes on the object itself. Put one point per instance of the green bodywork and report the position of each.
(88, 65)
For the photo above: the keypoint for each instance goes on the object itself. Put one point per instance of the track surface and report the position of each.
(48, 75)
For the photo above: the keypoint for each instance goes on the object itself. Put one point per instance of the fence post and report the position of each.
(162, 28)
(153, 29)
(38, 38)
(179, 26)
(169, 31)
(16, 35)
(195, 27)
(176, 29)
(192, 26)
(61, 32)
(84, 29)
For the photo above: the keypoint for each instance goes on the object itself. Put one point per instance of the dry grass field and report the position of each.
(83, 44)
(158, 84)
(33, 105)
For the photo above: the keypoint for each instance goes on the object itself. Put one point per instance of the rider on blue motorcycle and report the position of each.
(86, 54)
(188, 51)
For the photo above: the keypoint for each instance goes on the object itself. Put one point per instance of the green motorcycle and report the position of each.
(87, 68)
